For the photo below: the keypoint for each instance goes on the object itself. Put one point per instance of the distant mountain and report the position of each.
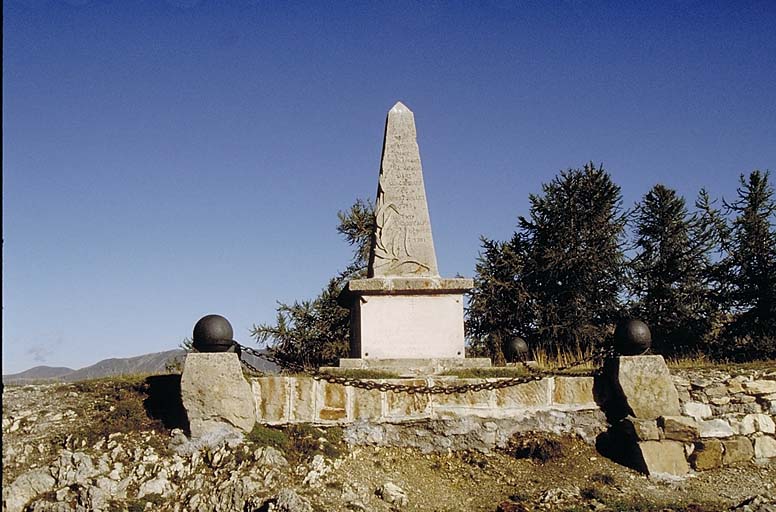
(157, 362)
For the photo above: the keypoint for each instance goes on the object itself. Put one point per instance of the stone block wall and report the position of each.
(727, 417)
(281, 400)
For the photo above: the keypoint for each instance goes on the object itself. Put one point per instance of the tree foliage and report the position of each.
(670, 275)
(557, 281)
(316, 332)
(749, 270)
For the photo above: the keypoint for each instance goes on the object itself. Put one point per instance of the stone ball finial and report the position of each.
(213, 333)
(632, 337)
(518, 349)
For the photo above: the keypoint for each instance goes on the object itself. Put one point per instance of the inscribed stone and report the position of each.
(402, 244)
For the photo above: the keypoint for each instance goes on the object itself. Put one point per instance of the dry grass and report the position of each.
(552, 361)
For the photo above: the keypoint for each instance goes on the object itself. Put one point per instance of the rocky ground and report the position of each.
(105, 445)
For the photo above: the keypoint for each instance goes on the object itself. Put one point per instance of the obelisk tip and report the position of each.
(400, 108)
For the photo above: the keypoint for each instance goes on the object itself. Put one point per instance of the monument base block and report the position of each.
(411, 367)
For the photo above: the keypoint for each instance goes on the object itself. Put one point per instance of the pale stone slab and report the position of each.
(404, 405)
(367, 404)
(407, 327)
(473, 399)
(645, 385)
(213, 391)
(760, 387)
(715, 428)
(409, 285)
(528, 395)
(402, 244)
(764, 447)
(302, 390)
(333, 401)
(573, 390)
(666, 457)
(697, 410)
(272, 400)
(410, 367)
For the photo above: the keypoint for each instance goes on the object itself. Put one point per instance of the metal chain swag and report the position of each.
(370, 384)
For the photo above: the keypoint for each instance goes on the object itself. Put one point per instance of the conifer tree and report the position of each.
(670, 273)
(750, 270)
(317, 332)
(575, 268)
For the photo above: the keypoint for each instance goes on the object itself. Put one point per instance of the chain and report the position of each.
(372, 384)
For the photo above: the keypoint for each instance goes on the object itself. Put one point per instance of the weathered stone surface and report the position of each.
(663, 457)
(392, 493)
(639, 430)
(573, 391)
(25, 487)
(333, 400)
(530, 394)
(289, 501)
(302, 404)
(213, 390)
(271, 394)
(679, 428)
(715, 428)
(367, 404)
(764, 447)
(406, 405)
(697, 410)
(645, 385)
(467, 399)
(760, 387)
(402, 244)
(707, 455)
(737, 449)
(752, 423)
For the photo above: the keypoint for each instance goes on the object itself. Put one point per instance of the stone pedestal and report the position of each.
(214, 391)
(406, 318)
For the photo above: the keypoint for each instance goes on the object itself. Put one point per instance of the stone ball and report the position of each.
(213, 333)
(632, 337)
(518, 348)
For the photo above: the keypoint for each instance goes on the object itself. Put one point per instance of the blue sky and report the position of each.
(167, 159)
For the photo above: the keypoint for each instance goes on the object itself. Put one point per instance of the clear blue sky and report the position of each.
(167, 159)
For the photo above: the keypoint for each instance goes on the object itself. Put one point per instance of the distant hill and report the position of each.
(157, 362)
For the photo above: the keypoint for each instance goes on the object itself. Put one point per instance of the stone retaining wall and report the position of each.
(726, 416)
(281, 400)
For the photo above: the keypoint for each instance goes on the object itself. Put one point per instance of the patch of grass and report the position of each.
(591, 493)
(602, 478)
(489, 373)
(117, 407)
(539, 447)
(268, 436)
(519, 496)
(357, 373)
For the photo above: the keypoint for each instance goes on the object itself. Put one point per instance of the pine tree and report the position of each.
(575, 267)
(499, 305)
(556, 283)
(670, 273)
(750, 270)
(316, 332)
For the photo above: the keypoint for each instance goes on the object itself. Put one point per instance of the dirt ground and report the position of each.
(39, 420)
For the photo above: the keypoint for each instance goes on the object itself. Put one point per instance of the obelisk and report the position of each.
(404, 314)
(402, 244)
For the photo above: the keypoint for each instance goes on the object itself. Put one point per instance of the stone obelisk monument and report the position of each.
(404, 314)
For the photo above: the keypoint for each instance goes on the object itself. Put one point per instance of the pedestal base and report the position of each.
(411, 367)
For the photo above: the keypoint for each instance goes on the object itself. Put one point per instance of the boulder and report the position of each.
(737, 449)
(392, 493)
(25, 487)
(679, 428)
(707, 455)
(645, 386)
(662, 457)
(214, 391)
